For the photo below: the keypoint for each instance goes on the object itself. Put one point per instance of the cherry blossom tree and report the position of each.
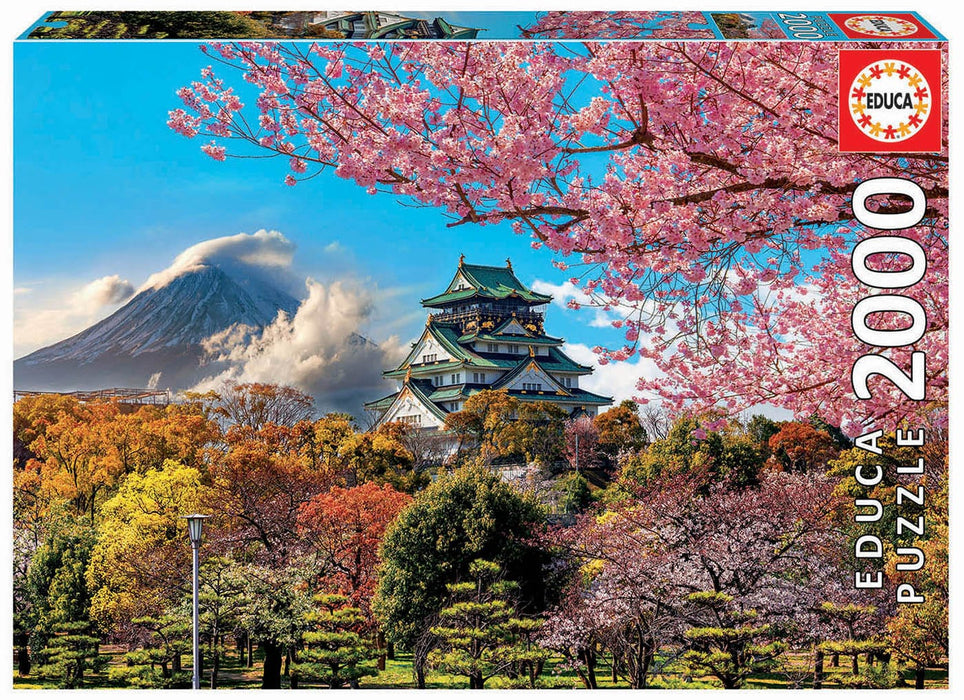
(694, 187)
(618, 25)
(674, 560)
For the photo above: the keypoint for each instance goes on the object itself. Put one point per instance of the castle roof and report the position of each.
(483, 281)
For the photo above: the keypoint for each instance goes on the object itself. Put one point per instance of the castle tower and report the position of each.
(485, 331)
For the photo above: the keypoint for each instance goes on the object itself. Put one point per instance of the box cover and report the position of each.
(480, 350)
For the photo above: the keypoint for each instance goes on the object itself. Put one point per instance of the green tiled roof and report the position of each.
(585, 397)
(556, 361)
(381, 404)
(449, 393)
(507, 338)
(488, 282)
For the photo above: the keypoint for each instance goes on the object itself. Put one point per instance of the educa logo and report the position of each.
(881, 26)
(888, 101)
(894, 25)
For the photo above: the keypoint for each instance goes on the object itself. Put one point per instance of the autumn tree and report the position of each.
(343, 529)
(155, 25)
(536, 434)
(330, 433)
(801, 447)
(140, 564)
(484, 416)
(78, 465)
(468, 515)
(379, 457)
(648, 168)
(620, 430)
(255, 405)
(257, 487)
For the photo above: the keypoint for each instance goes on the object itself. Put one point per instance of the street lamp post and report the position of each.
(194, 526)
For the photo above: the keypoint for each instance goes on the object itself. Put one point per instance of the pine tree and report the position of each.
(71, 652)
(335, 652)
(480, 635)
(158, 663)
(732, 644)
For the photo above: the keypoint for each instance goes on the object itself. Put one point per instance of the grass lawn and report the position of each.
(398, 674)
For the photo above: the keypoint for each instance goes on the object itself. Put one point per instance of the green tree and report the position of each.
(690, 448)
(478, 630)
(335, 651)
(576, 494)
(276, 603)
(727, 642)
(760, 429)
(70, 653)
(468, 515)
(57, 586)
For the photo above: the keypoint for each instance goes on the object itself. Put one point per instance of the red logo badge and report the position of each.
(899, 25)
(889, 101)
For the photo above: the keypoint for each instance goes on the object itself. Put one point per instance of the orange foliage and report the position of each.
(344, 528)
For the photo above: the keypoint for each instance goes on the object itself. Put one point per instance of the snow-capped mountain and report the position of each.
(160, 330)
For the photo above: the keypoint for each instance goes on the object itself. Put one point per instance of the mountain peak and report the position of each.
(161, 329)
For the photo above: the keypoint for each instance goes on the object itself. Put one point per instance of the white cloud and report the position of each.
(262, 251)
(318, 350)
(106, 291)
(52, 314)
(616, 379)
(563, 293)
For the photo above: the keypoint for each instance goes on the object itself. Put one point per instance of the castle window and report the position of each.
(429, 358)
(493, 347)
(531, 386)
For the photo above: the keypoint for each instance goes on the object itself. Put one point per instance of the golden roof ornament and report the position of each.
(532, 353)
(508, 263)
(408, 375)
(461, 259)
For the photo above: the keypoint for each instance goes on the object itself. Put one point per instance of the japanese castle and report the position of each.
(485, 331)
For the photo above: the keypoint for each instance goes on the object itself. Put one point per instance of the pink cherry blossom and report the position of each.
(697, 184)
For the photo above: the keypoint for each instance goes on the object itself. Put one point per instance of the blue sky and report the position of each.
(103, 187)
